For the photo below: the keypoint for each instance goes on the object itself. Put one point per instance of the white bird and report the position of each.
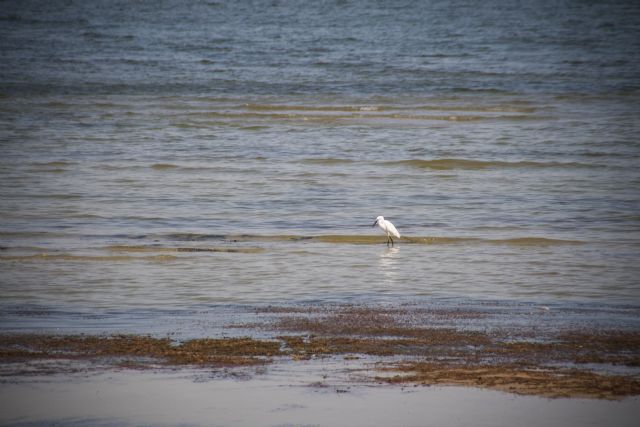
(388, 228)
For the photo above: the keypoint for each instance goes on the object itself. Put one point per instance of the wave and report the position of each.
(478, 108)
(377, 239)
(29, 234)
(163, 166)
(146, 249)
(326, 161)
(450, 164)
(171, 166)
(346, 116)
(377, 108)
(518, 241)
(155, 166)
(459, 117)
(86, 258)
(51, 167)
(329, 108)
(55, 164)
(56, 196)
(226, 244)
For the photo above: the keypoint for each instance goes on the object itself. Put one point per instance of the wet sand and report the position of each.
(192, 398)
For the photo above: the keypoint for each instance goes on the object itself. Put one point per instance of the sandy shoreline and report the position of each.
(192, 398)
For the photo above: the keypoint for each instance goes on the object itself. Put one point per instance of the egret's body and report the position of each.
(388, 228)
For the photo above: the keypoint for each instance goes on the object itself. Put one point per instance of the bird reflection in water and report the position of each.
(388, 263)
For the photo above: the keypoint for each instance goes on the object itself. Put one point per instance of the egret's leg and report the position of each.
(391, 238)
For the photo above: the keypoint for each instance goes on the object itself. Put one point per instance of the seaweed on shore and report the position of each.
(404, 346)
(203, 352)
(547, 382)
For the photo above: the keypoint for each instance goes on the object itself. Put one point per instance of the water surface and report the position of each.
(160, 155)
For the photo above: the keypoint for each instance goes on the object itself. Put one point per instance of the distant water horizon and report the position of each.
(345, 48)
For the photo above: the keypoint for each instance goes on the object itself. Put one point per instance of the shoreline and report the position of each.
(410, 346)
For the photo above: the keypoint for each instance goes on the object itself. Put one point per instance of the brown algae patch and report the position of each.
(579, 348)
(547, 382)
(146, 249)
(44, 257)
(142, 350)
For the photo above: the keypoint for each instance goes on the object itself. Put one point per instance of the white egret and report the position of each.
(388, 228)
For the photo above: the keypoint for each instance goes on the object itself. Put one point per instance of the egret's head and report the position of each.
(378, 219)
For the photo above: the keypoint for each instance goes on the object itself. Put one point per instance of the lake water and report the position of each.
(160, 155)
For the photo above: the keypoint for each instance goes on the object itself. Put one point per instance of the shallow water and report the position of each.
(276, 271)
(237, 154)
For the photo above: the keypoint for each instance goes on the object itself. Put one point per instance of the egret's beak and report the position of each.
(375, 222)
